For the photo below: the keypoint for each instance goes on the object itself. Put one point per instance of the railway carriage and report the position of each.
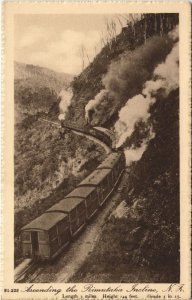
(105, 132)
(116, 162)
(90, 196)
(75, 209)
(46, 236)
(102, 181)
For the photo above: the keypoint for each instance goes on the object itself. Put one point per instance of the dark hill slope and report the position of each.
(155, 179)
(36, 89)
(38, 76)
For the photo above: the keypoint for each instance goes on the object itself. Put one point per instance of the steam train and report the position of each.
(46, 236)
(101, 133)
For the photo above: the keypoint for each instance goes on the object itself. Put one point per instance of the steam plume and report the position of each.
(166, 79)
(174, 34)
(134, 154)
(127, 75)
(135, 109)
(93, 103)
(66, 96)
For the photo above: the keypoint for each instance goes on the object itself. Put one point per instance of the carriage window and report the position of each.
(42, 236)
(91, 197)
(53, 233)
(62, 226)
(26, 236)
(65, 222)
(104, 185)
(73, 213)
(81, 207)
(99, 190)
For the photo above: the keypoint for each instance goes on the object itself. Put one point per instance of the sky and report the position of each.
(56, 41)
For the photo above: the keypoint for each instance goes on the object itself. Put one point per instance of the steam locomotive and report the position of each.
(101, 133)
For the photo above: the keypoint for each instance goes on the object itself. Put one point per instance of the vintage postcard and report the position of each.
(96, 150)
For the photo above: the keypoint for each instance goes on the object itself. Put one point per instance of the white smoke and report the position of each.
(132, 154)
(169, 71)
(166, 79)
(136, 109)
(66, 96)
(130, 69)
(174, 34)
(93, 103)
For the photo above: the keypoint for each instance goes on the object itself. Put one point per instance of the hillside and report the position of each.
(37, 89)
(38, 76)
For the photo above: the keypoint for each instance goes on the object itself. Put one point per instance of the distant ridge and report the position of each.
(39, 76)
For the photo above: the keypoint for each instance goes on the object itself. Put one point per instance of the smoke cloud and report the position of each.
(127, 75)
(136, 109)
(134, 154)
(93, 103)
(174, 34)
(66, 96)
(157, 59)
(165, 80)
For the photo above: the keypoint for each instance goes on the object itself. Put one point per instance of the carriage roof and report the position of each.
(81, 192)
(66, 205)
(105, 130)
(45, 221)
(95, 177)
(110, 161)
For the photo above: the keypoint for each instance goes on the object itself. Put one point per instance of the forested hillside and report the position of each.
(36, 89)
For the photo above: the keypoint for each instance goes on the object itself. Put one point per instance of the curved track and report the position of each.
(79, 132)
(90, 137)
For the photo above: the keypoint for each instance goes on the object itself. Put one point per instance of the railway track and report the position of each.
(30, 273)
(25, 268)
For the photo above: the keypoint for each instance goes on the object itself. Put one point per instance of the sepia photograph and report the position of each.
(97, 188)
(96, 148)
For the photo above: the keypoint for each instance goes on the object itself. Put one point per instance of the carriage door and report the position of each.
(35, 243)
(100, 193)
